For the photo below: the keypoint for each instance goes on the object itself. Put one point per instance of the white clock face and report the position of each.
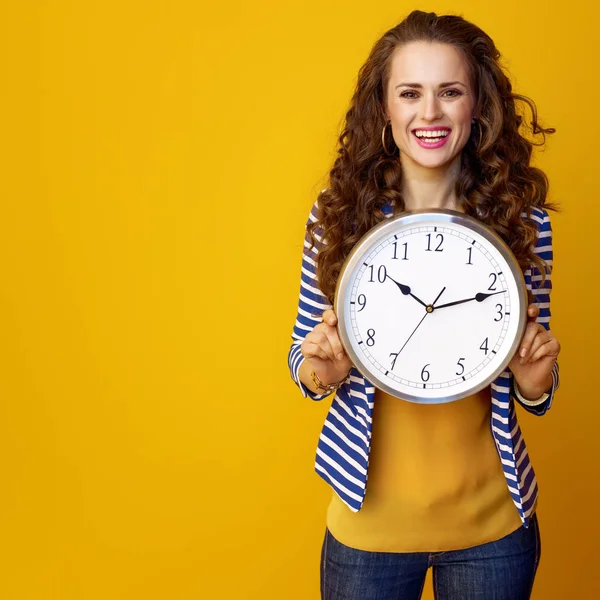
(431, 306)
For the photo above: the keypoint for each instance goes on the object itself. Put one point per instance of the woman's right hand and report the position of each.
(323, 350)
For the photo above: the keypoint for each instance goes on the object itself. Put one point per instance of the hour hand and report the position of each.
(406, 290)
(480, 297)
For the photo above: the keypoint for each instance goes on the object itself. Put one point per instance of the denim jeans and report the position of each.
(500, 570)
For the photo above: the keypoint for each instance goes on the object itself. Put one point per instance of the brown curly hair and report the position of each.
(496, 183)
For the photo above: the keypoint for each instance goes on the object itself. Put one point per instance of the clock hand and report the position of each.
(428, 310)
(413, 333)
(479, 297)
(406, 291)
(438, 297)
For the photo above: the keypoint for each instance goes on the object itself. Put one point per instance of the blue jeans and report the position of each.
(500, 570)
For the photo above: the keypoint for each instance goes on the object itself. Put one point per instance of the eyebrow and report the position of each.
(418, 85)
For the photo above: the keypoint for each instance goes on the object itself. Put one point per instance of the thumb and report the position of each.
(330, 318)
(533, 311)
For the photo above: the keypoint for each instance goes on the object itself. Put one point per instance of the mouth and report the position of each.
(431, 135)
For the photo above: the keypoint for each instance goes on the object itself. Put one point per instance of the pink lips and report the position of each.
(432, 145)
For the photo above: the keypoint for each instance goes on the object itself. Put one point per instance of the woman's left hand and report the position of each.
(533, 362)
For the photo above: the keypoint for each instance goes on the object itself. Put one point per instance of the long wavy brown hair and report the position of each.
(496, 182)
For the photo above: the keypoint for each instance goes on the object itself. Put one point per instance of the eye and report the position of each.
(408, 94)
(452, 93)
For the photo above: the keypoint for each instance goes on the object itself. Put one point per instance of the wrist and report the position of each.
(532, 394)
(324, 386)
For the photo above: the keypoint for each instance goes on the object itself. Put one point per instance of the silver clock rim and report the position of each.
(380, 232)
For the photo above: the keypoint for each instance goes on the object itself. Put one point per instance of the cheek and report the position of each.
(462, 119)
(463, 115)
(401, 120)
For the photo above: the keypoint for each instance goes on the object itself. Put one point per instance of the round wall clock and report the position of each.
(431, 306)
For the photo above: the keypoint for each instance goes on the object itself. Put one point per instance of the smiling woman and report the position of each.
(432, 74)
(430, 106)
(433, 124)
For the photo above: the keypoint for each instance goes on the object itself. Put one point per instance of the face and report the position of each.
(430, 104)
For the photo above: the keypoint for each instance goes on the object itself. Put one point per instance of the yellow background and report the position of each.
(158, 163)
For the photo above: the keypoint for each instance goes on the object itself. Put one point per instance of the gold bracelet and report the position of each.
(326, 389)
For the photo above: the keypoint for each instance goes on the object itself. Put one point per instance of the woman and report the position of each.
(432, 124)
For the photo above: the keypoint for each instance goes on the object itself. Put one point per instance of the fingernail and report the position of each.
(340, 356)
(524, 352)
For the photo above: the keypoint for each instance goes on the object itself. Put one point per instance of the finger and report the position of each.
(330, 318)
(550, 348)
(539, 340)
(312, 350)
(319, 336)
(332, 336)
(531, 330)
(335, 343)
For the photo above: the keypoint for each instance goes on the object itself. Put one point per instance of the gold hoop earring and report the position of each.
(388, 153)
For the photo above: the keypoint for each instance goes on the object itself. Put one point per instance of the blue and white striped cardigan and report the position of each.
(343, 449)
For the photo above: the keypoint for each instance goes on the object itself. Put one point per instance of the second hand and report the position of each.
(429, 309)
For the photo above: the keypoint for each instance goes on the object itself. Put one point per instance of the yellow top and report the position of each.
(435, 481)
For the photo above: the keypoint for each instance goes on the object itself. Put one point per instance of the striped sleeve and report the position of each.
(541, 297)
(311, 305)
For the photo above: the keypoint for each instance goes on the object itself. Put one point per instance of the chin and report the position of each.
(432, 162)
(430, 159)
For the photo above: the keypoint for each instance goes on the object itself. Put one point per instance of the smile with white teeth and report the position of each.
(432, 136)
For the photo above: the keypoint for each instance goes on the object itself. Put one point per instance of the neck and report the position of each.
(424, 187)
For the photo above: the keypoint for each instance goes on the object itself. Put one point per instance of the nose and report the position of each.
(431, 108)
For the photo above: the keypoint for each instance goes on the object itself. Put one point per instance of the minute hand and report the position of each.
(478, 297)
